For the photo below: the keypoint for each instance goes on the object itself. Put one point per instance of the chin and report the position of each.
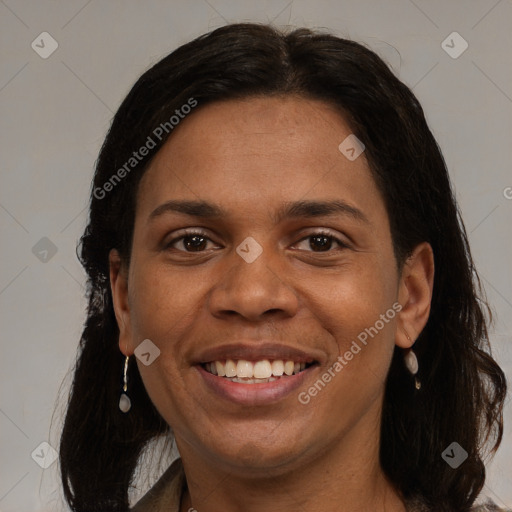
(259, 452)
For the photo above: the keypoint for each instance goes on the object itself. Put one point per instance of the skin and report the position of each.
(249, 157)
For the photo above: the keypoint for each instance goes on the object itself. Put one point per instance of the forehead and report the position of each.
(288, 126)
(258, 151)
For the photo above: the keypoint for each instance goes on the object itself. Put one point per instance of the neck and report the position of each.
(346, 476)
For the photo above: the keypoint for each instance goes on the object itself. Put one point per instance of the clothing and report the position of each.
(171, 485)
(168, 490)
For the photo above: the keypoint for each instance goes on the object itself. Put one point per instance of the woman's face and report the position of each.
(257, 239)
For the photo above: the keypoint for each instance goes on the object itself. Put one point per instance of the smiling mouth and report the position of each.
(255, 372)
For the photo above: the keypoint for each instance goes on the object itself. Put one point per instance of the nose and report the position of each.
(254, 290)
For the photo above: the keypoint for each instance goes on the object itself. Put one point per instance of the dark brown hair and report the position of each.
(463, 388)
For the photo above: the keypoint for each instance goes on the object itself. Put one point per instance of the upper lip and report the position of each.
(256, 351)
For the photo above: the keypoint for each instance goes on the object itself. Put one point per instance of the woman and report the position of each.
(267, 216)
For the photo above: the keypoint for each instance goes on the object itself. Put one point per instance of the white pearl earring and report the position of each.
(411, 363)
(125, 403)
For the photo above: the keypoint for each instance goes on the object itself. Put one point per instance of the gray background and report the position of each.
(54, 116)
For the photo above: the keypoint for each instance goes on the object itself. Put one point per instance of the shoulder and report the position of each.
(489, 506)
(418, 505)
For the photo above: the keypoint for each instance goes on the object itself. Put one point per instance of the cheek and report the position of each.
(165, 304)
(361, 327)
(164, 309)
(356, 309)
(354, 299)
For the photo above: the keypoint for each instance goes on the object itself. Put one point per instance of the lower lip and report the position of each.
(254, 394)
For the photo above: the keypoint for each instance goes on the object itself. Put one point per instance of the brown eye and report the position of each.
(189, 242)
(194, 243)
(322, 242)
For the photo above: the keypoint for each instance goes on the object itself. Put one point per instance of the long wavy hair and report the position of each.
(463, 388)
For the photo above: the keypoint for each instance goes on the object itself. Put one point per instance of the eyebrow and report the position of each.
(288, 210)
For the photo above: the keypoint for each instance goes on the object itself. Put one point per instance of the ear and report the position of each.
(119, 287)
(415, 295)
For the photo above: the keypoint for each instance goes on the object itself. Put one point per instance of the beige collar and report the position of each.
(167, 492)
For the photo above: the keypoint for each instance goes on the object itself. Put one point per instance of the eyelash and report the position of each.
(202, 234)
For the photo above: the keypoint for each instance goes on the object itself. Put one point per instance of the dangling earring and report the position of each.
(125, 403)
(411, 363)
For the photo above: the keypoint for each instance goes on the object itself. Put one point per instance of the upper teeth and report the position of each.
(259, 369)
